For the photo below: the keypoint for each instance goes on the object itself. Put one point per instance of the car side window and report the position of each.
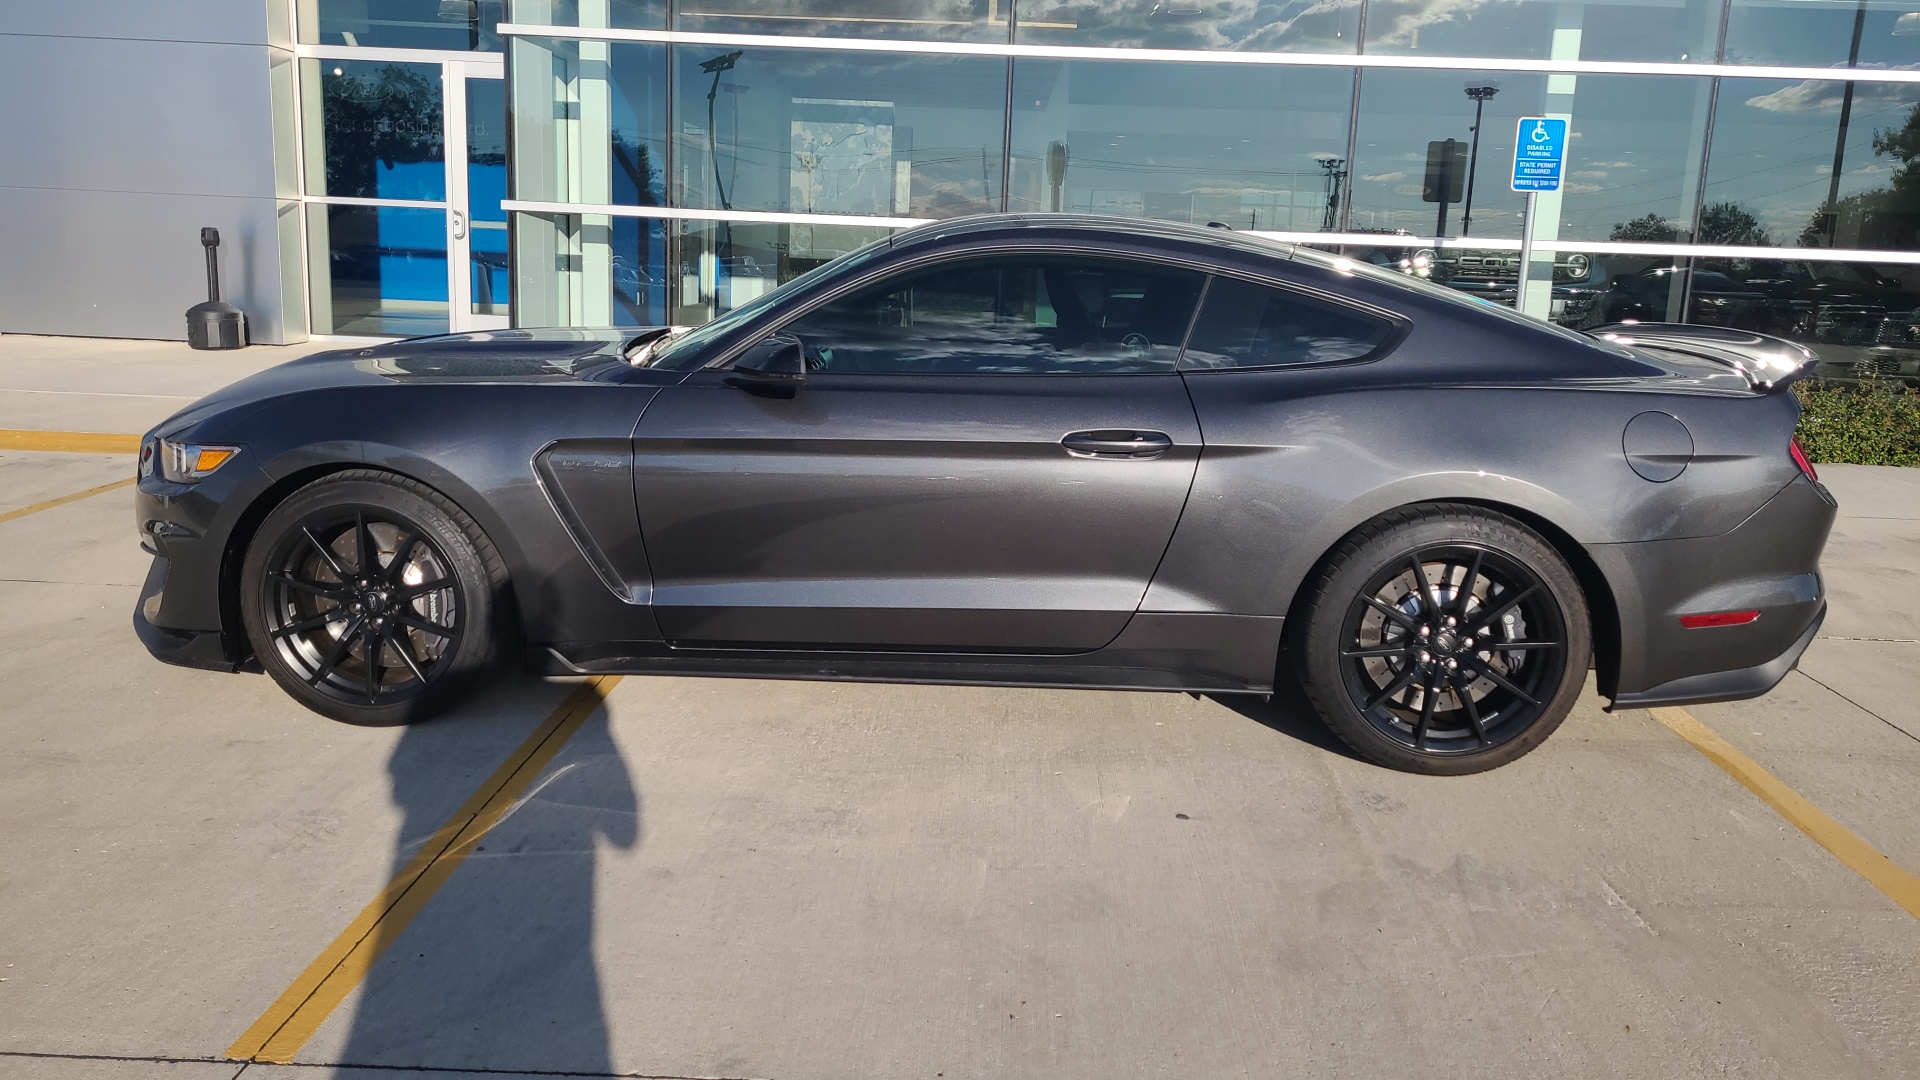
(1008, 315)
(1244, 325)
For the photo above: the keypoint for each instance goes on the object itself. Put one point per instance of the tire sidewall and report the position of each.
(473, 653)
(1317, 658)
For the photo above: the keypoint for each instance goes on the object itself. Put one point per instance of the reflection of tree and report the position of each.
(636, 165)
(1884, 217)
(1651, 229)
(392, 118)
(1729, 223)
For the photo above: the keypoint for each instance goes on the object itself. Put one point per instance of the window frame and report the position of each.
(1399, 325)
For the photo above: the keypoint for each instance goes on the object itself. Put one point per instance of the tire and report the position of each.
(433, 612)
(1500, 633)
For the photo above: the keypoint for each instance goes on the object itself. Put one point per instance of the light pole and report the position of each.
(1481, 92)
(1840, 138)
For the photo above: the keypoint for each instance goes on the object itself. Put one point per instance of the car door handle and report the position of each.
(1117, 443)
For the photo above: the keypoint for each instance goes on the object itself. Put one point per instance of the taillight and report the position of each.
(1800, 459)
(1718, 618)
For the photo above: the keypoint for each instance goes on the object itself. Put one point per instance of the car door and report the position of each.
(988, 454)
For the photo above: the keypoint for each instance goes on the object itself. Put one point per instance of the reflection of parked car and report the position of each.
(1838, 303)
(1716, 300)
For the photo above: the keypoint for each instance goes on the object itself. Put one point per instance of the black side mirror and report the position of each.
(776, 366)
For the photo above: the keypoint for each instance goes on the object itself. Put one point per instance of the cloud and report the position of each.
(1583, 189)
(1824, 96)
(1384, 177)
(1409, 189)
(1588, 174)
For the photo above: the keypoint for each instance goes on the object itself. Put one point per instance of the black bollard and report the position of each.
(215, 324)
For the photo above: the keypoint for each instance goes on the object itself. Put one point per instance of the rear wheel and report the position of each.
(1444, 639)
(372, 599)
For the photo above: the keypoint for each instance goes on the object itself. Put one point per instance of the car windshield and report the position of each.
(684, 351)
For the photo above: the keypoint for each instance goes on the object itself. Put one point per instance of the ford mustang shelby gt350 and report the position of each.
(1018, 450)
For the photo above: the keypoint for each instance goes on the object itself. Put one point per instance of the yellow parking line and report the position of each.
(1861, 857)
(289, 1022)
(65, 499)
(69, 442)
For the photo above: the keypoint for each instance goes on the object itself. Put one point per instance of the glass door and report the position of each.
(476, 125)
(405, 169)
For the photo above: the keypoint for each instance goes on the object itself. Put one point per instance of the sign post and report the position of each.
(1539, 159)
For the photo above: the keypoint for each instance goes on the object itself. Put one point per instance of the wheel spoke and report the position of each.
(362, 546)
(409, 592)
(399, 564)
(1520, 646)
(338, 654)
(1493, 612)
(1461, 687)
(305, 625)
(326, 553)
(1501, 681)
(370, 642)
(1426, 711)
(1428, 598)
(399, 643)
(1398, 684)
(1378, 650)
(1393, 613)
(1466, 587)
(427, 626)
(325, 592)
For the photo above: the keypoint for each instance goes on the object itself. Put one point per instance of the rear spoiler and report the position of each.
(1768, 363)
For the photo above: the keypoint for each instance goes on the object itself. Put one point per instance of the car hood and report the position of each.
(493, 356)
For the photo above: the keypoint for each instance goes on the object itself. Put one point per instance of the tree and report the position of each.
(1651, 229)
(1728, 223)
(392, 118)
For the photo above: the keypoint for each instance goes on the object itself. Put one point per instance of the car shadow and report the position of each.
(497, 971)
(1290, 713)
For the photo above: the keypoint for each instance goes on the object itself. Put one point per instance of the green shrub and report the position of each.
(1872, 423)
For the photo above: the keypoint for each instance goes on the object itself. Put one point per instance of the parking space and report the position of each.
(739, 879)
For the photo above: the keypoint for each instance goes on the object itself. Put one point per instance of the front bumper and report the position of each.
(188, 648)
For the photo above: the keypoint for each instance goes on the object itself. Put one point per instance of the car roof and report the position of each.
(1013, 225)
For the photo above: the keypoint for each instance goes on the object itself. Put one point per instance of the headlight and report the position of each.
(186, 463)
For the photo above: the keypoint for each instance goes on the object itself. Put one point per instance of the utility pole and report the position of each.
(1840, 139)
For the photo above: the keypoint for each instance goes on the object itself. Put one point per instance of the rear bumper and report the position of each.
(1736, 685)
(1769, 563)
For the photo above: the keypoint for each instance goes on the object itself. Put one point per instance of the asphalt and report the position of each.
(793, 881)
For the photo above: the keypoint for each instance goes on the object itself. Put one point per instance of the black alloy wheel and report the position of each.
(1445, 640)
(368, 598)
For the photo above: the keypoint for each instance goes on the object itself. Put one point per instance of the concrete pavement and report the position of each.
(731, 879)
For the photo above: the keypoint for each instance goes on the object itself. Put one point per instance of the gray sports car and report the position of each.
(1034, 451)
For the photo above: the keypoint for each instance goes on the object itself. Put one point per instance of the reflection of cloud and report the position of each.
(1613, 164)
(1825, 95)
(1582, 189)
(1396, 21)
(1409, 189)
(1587, 174)
(1385, 177)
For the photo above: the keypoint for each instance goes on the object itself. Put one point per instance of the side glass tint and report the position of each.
(1247, 326)
(1011, 315)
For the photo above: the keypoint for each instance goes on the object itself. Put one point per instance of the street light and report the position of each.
(722, 63)
(1481, 91)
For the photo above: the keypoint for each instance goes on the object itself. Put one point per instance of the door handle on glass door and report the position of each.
(1117, 443)
(459, 225)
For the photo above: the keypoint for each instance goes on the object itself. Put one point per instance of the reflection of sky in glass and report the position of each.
(1819, 33)
(1773, 149)
(947, 116)
(1634, 150)
(1181, 142)
(1323, 26)
(1649, 30)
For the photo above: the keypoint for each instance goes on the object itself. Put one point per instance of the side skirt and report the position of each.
(1199, 653)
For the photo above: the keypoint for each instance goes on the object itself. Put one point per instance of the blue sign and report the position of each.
(1539, 153)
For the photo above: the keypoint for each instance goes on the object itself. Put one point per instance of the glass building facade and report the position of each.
(1745, 163)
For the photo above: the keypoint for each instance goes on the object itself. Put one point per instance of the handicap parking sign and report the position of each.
(1539, 152)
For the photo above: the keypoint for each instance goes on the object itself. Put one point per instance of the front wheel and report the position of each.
(372, 599)
(1444, 639)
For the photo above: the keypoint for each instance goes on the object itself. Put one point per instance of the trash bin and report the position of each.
(215, 324)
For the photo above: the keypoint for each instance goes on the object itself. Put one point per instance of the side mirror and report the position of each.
(776, 366)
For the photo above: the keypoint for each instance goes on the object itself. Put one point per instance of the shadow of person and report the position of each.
(497, 971)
